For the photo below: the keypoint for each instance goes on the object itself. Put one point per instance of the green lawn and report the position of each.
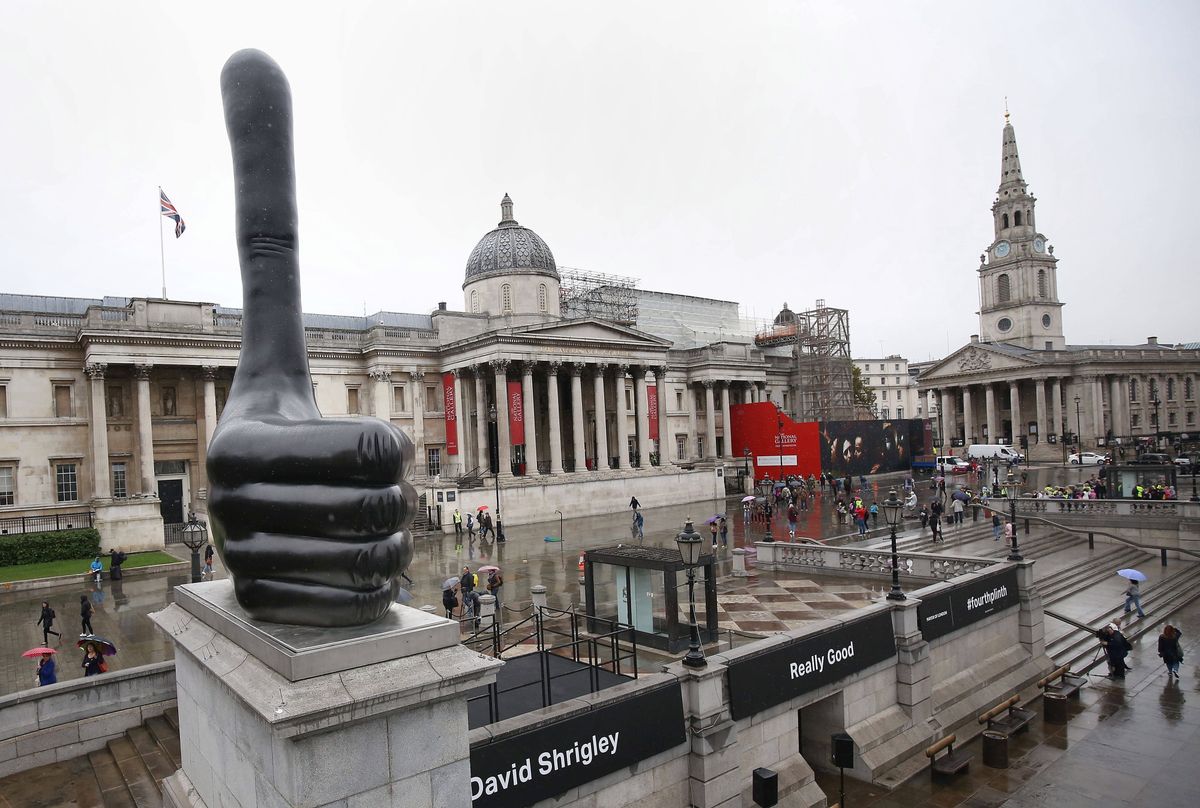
(52, 569)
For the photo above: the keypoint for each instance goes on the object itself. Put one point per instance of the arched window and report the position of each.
(1170, 388)
(1188, 393)
(1133, 389)
(1153, 389)
(506, 294)
(474, 301)
(541, 297)
(1042, 283)
(1004, 220)
(1017, 219)
(1003, 292)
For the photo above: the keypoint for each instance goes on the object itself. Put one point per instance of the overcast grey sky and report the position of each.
(757, 152)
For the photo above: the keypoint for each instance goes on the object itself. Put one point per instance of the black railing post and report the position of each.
(575, 631)
(1163, 551)
(1091, 540)
(56, 522)
(493, 702)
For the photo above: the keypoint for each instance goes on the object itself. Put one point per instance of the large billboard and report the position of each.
(778, 445)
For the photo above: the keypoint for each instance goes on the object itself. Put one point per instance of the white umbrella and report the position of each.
(449, 583)
(749, 498)
(1132, 575)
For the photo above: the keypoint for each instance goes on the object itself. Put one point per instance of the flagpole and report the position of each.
(162, 253)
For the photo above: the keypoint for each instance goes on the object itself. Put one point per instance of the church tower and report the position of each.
(1018, 280)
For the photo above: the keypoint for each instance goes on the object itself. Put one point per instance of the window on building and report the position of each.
(883, 395)
(398, 399)
(1004, 220)
(120, 487)
(1017, 219)
(1133, 389)
(1003, 292)
(897, 378)
(1041, 283)
(1049, 345)
(897, 370)
(1188, 393)
(1191, 417)
(1153, 389)
(785, 400)
(700, 402)
(1154, 420)
(433, 460)
(883, 413)
(628, 400)
(700, 440)
(433, 398)
(474, 301)
(920, 410)
(352, 401)
(678, 399)
(1170, 419)
(1170, 388)
(1135, 419)
(168, 400)
(62, 401)
(867, 366)
(8, 485)
(541, 297)
(3, 401)
(114, 403)
(680, 447)
(66, 482)
(506, 298)
(899, 413)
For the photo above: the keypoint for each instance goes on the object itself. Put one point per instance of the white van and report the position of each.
(994, 451)
(953, 465)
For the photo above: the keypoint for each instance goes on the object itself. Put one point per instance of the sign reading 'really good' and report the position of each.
(968, 603)
(807, 663)
(545, 762)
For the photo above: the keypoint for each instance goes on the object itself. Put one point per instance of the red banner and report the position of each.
(450, 407)
(516, 415)
(652, 411)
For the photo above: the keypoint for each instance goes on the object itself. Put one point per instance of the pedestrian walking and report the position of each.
(791, 520)
(957, 508)
(46, 671)
(997, 526)
(93, 663)
(494, 582)
(712, 528)
(860, 517)
(1170, 650)
(457, 517)
(449, 601)
(1009, 530)
(633, 503)
(746, 513)
(936, 509)
(85, 615)
(724, 530)
(1133, 595)
(637, 529)
(206, 574)
(470, 528)
(924, 516)
(874, 511)
(115, 559)
(46, 621)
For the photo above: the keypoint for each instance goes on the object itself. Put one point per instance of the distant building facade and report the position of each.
(894, 387)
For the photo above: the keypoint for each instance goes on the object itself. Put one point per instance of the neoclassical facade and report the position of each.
(110, 404)
(1019, 382)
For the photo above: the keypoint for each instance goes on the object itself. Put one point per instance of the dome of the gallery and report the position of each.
(510, 249)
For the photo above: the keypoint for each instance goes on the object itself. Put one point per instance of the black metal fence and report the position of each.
(45, 523)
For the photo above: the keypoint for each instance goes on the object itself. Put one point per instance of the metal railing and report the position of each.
(46, 523)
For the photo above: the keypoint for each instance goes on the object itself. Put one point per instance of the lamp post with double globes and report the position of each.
(1015, 554)
(891, 512)
(689, 544)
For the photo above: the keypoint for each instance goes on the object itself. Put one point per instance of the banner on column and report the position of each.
(450, 406)
(516, 415)
(652, 411)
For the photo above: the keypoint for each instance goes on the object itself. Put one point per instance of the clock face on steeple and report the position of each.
(1039, 245)
(1001, 249)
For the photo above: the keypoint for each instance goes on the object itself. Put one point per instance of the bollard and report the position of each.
(428, 608)
(487, 612)
(1054, 708)
(538, 592)
(739, 563)
(1091, 541)
(995, 749)
(1163, 551)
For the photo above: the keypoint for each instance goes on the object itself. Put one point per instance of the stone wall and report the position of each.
(65, 720)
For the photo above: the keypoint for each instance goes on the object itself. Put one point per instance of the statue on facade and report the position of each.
(310, 515)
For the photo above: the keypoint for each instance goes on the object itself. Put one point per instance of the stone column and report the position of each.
(993, 420)
(1039, 390)
(460, 417)
(381, 393)
(418, 415)
(482, 460)
(602, 454)
(664, 434)
(1056, 407)
(710, 418)
(726, 424)
(1014, 404)
(643, 416)
(1097, 395)
(622, 417)
(914, 669)
(98, 426)
(949, 420)
(1115, 405)
(555, 433)
(209, 372)
(577, 436)
(145, 430)
(693, 438)
(528, 407)
(968, 414)
(503, 443)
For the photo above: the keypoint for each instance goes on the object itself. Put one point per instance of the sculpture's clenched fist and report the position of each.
(309, 514)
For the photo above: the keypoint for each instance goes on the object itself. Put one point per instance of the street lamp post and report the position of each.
(496, 448)
(1078, 429)
(1015, 555)
(779, 436)
(891, 512)
(195, 536)
(1156, 402)
(689, 545)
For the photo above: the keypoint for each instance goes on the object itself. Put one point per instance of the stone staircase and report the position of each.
(129, 772)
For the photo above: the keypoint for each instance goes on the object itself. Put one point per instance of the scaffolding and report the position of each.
(822, 379)
(612, 298)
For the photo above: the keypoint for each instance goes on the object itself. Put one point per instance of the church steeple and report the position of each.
(1011, 181)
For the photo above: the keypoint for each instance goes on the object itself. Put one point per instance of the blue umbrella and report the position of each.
(1132, 575)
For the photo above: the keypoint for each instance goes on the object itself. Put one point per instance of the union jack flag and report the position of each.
(168, 210)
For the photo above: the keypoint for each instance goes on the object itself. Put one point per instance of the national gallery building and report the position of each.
(108, 405)
(1019, 382)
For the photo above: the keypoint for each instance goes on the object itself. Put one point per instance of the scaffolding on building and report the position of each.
(822, 381)
(612, 298)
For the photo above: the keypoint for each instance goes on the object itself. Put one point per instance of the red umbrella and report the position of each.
(489, 568)
(37, 652)
(482, 508)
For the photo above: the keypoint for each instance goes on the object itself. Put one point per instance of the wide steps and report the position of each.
(113, 792)
(130, 770)
(140, 783)
(167, 737)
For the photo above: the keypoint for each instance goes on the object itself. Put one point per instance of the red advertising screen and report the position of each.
(778, 446)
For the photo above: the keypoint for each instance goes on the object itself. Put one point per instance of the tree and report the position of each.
(863, 395)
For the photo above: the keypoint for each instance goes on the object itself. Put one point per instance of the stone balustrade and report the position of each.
(857, 561)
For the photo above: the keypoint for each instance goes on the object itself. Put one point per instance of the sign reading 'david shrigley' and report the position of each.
(779, 675)
(968, 603)
(523, 769)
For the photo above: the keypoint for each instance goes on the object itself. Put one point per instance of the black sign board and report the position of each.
(523, 769)
(781, 674)
(968, 603)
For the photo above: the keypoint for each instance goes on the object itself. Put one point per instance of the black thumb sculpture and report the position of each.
(310, 515)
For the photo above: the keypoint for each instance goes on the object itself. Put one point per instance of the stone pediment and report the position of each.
(975, 359)
(593, 331)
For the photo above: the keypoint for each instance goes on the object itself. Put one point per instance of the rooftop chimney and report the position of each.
(442, 305)
(1151, 340)
(974, 338)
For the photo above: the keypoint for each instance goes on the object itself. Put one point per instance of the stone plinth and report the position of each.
(134, 525)
(389, 732)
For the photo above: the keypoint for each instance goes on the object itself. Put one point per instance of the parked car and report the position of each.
(1153, 459)
(1187, 465)
(953, 465)
(1088, 459)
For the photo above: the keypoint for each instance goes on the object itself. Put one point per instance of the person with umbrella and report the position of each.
(45, 669)
(93, 662)
(1133, 595)
(46, 621)
(449, 598)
